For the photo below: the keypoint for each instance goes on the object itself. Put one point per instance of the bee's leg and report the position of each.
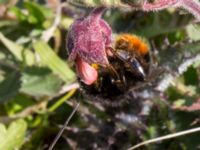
(121, 82)
(110, 51)
(113, 72)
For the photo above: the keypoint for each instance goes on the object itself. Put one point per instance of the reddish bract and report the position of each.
(86, 72)
(89, 37)
(87, 41)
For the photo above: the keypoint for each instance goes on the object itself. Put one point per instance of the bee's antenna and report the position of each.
(64, 126)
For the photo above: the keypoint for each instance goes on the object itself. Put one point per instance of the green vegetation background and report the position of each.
(36, 78)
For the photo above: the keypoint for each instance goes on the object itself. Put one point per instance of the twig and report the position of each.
(68, 88)
(114, 4)
(65, 125)
(50, 31)
(192, 6)
(11, 66)
(169, 136)
(61, 100)
(30, 110)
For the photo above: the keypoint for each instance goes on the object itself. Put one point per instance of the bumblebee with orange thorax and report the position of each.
(134, 52)
(128, 64)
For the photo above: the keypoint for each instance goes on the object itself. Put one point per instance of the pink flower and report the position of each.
(86, 72)
(87, 41)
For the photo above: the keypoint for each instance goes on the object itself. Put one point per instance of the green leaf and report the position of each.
(179, 103)
(40, 82)
(193, 48)
(37, 13)
(50, 59)
(13, 137)
(18, 13)
(2, 1)
(18, 51)
(9, 86)
(191, 76)
(193, 32)
(18, 103)
(5, 23)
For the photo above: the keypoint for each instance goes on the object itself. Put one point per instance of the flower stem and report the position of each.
(192, 6)
(62, 100)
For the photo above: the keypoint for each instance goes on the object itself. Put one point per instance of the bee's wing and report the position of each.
(137, 68)
(134, 65)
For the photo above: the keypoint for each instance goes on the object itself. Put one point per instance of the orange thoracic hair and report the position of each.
(132, 43)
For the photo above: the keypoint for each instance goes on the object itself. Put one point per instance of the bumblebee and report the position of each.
(128, 64)
(134, 52)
